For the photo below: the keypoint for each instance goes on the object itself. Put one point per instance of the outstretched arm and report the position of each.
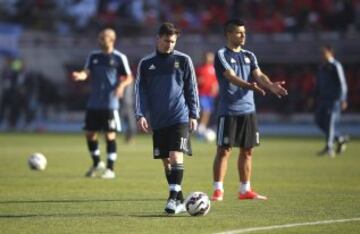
(238, 81)
(274, 87)
(80, 75)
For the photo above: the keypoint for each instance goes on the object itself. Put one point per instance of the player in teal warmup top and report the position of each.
(109, 74)
(239, 76)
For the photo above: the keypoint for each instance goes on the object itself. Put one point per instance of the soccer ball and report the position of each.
(210, 135)
(37, 161)
(197, 204)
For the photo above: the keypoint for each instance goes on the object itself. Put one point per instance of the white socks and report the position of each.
(244, 187)
(219, 185)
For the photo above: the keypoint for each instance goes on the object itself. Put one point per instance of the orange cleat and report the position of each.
(218, 195)
(251, 195)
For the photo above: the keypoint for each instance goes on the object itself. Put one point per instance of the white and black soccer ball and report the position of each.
(210, 135)
(197, 204)
(37, 161)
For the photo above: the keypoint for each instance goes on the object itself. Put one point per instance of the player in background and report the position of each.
(127, 116)
(331, 99)
(109, 74)
(166, 88)
(208, 90)
(239, 76)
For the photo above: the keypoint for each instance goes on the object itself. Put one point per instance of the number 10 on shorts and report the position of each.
(183, 143)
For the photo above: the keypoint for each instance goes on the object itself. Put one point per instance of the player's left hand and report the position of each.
(278, 89)
(193, 124)
(344, 105)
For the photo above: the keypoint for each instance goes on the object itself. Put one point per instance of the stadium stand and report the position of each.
(286, 36)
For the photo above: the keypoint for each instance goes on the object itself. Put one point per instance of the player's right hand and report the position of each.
(143, 124)
(257, 89)
(78, 75)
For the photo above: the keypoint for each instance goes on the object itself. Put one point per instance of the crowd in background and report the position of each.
(204, 16)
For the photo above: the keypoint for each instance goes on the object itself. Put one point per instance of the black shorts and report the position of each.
(238, 131)
(172, 138)
(102, 120)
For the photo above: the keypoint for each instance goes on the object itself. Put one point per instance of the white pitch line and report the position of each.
(290, 225)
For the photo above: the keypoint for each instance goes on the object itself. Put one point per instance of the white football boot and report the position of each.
(108, 174)
(180, 207)
(171, 207)
(94, 171)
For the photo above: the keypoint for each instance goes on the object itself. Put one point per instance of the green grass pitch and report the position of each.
(301, 188)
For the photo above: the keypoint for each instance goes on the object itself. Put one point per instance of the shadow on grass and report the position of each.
(83, 201)
(153, 215)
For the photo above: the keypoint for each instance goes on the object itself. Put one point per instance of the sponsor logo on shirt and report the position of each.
(152, 67)
(232, 60)
(247, 59)
(95, 61)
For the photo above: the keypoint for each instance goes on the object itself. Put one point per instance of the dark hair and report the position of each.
(232, 23)
(328, 48)
(168, 29)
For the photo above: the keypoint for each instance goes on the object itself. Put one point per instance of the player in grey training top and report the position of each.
(238, 72)
(109, 74)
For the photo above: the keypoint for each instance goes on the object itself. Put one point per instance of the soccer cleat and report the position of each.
(170, 207)
(180, 207)
(327, 151)
(108, 174)
(218, 195)
(341, 145)
(94, 171)
(251, 195)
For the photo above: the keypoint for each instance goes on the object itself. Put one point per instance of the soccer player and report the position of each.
(239, 76)
(331, 99)
(109, 74)
(166, 88)
(208, 90)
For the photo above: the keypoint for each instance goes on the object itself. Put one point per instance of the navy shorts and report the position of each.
(102, 120)
(173, 138)
(238, 131)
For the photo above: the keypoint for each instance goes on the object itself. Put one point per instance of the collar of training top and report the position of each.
(164, 54)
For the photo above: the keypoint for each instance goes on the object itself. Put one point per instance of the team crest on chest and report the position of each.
(112, 62)
(246, 59)
(176, 64)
